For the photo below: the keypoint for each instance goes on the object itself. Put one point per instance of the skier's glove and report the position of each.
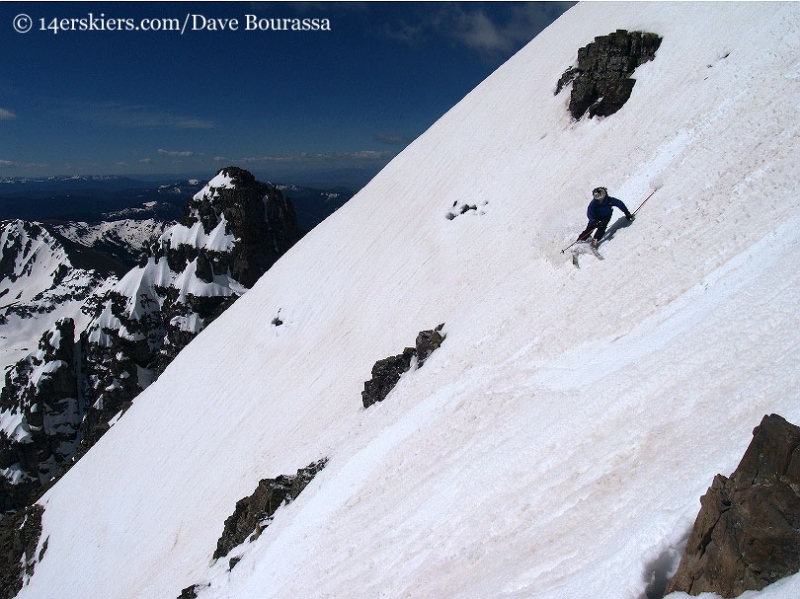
(630, 217)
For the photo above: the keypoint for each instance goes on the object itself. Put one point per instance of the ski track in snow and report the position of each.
(586, 364)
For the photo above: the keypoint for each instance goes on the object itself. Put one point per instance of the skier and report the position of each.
(599, 213)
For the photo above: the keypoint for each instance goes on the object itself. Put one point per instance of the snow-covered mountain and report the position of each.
(556, 444)
(53, 409)
(51, 271)
(42, 281)
(125, 239)
(235, 229)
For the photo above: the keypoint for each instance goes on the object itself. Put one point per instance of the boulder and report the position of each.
(386, 373)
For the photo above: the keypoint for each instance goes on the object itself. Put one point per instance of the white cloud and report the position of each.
(182, 154)
(498, 31)
(17, 164)
(6, 115)
(307, 157)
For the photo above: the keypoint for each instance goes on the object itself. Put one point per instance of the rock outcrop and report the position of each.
(191, 592)
(254, 513)
(747, 534)
(386, 373)
(601, 81)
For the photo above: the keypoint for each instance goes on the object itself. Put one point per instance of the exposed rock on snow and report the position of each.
(254, 513)
(386, 373)
(747, 534)
(191, 592)
(427, 343)
(602, 82)
(464, 207)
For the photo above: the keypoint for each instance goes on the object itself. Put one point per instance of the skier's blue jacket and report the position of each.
(602, 210)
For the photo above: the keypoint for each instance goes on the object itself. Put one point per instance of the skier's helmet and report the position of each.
(600, 193)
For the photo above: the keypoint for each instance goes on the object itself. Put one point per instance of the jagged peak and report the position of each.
(230, 177)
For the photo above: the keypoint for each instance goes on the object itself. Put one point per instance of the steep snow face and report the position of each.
(558, 442)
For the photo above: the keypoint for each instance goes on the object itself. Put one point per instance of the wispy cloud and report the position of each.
(393, 140)
(18, 165)
(174, 153)
(146, 161)
(309, 157)
(490, 32)
(6, 115)
(115, 114)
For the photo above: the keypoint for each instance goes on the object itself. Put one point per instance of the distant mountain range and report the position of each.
(105, 198)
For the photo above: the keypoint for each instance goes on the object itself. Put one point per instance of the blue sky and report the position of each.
(80, 96)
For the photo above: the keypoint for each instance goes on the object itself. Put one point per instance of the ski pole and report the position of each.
(645, 201)
(570, 245)
(580, 238)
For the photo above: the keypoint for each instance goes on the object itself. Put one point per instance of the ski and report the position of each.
(584, 249)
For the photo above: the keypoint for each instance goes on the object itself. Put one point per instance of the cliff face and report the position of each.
(262, 221)
(43, 408)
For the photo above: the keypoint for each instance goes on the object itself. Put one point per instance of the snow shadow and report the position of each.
(620, 223)
(658, 572)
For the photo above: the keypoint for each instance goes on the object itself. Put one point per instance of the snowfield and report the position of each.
(557, 444)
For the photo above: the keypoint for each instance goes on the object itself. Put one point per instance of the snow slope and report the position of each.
(558, 442)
